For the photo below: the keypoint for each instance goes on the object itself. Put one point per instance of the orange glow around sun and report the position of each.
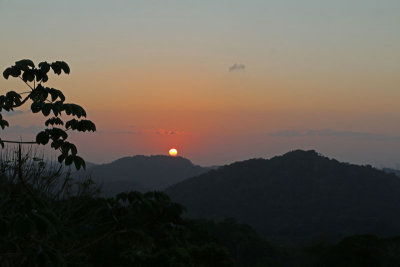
(173, 152)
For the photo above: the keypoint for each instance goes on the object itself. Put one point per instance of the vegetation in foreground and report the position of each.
(45, 223)
(53, 220)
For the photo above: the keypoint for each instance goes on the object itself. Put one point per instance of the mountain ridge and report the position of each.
(142, 173)
(297, 196)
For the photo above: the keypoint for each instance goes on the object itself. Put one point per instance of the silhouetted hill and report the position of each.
(143, 173)
(297, 197)
(390, 170)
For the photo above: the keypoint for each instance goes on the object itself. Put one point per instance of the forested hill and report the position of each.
(143, 173)
(297, 197)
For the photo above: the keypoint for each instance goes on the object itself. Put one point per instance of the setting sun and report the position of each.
(173, 152)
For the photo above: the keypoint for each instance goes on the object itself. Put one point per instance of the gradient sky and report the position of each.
(152, 75)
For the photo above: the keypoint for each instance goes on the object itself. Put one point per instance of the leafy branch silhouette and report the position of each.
(51, 103)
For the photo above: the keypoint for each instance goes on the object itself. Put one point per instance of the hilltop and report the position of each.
(143, 173)
(296, 197)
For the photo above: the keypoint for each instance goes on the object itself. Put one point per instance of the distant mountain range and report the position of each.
(142, 173)
(296, 197)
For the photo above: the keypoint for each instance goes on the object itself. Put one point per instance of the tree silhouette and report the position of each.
(51, 103)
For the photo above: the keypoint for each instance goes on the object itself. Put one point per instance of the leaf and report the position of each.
(69, 159)
(67, 146)
(56, 133)
(71, 124)
(40, 74)
(45, 78)
(88, 126)
(42, 137)
(56, 144)
(13, 94)
(74, 151)
(74, 109)
(2, 101)
(79, 162)
(7, 73)
(44, 66)
(56, 109)
(64, 66)
(61, 158)
(28, 75)
(54, 120)
(4, 124)
(56, 94)
(36, 107)
(15, 72)
(40, 93)
(56, 68)
(24, 64)
(13, 98)
(46, 108)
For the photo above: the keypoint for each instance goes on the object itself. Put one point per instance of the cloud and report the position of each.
(237, 67)
(117, 132)
(333, 133)
(169, 132)
(286, 133)
(15, 112)
(144, 131)
(24, 129)
(125, 132)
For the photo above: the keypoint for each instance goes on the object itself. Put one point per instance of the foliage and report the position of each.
(53, 220)
(51, 103)
(30, 228)
(363, 250)
(242, 242)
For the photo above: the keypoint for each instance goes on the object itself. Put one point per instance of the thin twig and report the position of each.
(26, 83)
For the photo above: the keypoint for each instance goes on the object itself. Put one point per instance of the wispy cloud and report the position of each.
(125, 132)
(169, 132)
(143, 131)
(128, 132)
(24, 129)
(15, 112)
(333, 133)
(237, 67)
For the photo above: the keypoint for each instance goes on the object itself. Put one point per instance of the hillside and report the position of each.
(297, 197)
(143, 173)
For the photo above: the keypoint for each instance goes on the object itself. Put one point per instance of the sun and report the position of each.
(173, 152)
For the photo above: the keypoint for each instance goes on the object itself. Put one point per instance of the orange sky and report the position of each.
(153, 76)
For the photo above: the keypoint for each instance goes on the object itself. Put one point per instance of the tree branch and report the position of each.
(18, 142)
(22, 102)
(26, 83)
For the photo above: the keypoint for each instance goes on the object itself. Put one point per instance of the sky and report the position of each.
(221, 81)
